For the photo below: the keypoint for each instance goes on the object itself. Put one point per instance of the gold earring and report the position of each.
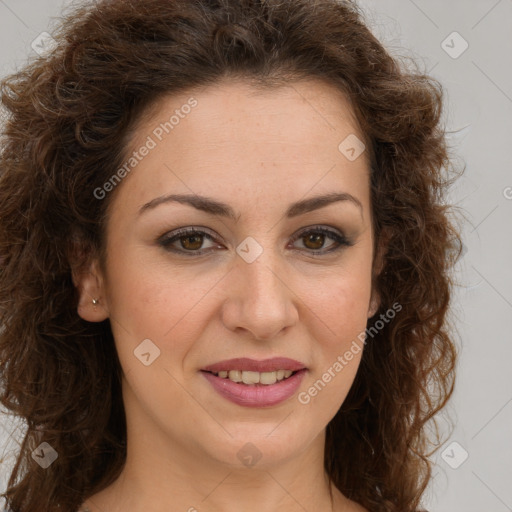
(95, 301)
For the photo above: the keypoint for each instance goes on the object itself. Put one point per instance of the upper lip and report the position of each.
(252, 365)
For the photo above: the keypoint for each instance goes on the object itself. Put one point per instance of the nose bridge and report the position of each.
(260, 262)
(264, 281)
(264, 278)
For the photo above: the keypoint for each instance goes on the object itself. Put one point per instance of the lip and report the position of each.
(252, 365)
(257, 395)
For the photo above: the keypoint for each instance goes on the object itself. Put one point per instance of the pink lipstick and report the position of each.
(252, 383)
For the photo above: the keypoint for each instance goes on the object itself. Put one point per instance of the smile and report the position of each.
(256, 394)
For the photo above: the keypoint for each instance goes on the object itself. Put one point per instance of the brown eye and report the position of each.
(314, 240)
(191, 242)
(187, 241)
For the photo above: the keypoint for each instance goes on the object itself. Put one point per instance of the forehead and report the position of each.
(233, 107)
(238, 138)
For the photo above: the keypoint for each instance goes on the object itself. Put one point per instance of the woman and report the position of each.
(226, 262)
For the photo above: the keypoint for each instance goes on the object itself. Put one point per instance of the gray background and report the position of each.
(478, 84)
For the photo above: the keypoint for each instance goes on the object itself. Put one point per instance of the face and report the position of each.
(217, 250)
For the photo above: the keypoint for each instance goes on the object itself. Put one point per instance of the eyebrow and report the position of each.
(214, 207)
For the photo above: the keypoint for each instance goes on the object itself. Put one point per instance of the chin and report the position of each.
(263, 445)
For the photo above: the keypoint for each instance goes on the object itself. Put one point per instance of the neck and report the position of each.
(170, 480)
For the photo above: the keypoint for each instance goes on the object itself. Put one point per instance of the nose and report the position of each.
(259, 299)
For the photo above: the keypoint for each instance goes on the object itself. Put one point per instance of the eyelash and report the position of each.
(166, 240)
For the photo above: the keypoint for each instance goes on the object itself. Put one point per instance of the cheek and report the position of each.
(167, 305)
(341, 299)
(340, 333)
(339, 309)
(339, 344)
(170, 313)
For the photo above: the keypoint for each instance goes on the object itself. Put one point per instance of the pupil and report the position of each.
(317, 239)
(185, 242)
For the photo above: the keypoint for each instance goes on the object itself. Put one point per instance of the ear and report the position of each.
(374, 304)
(378, 265)
(92, 304)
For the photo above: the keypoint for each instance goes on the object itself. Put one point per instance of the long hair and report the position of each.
(69, 117)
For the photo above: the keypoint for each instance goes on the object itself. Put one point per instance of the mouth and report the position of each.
(252, 383)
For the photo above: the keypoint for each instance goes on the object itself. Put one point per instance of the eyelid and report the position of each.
(318, 227)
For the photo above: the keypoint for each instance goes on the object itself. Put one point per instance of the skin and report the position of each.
(257, 151)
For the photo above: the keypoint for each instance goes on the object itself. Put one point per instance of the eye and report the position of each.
(315, 238)
(189, 241)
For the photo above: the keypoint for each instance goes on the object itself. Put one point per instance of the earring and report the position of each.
(95, 301)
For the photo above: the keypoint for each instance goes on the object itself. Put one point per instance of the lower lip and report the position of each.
(256, 395)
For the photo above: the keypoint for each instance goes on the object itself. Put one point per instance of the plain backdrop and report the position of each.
(467, 46)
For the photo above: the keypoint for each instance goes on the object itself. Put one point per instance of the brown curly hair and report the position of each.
(69, 117)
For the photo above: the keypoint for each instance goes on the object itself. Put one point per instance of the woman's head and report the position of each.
(256, 105)
(263, 282)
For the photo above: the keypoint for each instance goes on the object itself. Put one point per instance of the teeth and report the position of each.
(268, 378)
(234, 375)
(252, 378)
